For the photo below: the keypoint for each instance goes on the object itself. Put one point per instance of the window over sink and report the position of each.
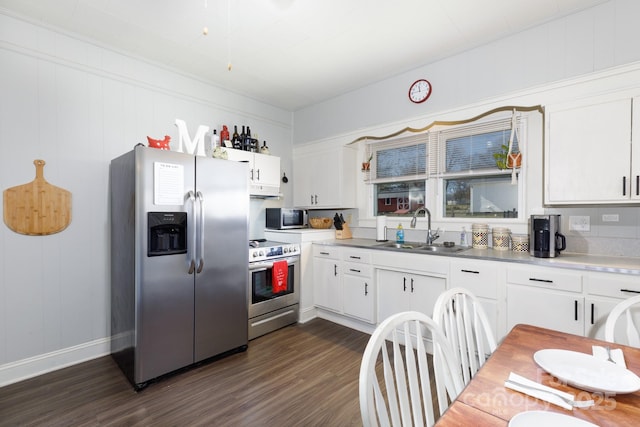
(451, 170)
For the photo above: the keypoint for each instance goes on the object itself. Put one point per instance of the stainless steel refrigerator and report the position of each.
(179, 260)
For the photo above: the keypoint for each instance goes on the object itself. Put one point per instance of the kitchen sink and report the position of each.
(440, 248)
(406, 245)
(422, 247)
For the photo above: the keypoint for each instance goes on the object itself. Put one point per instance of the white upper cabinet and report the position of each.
(588, 153)
(324, 179)
(264, 171)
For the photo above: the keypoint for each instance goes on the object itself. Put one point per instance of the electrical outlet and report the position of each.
(610, 218)
(579, 223)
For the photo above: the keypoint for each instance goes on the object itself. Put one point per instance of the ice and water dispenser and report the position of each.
(167, 233)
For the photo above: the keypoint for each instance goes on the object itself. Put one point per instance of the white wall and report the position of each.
(595, 39)
(77, 105)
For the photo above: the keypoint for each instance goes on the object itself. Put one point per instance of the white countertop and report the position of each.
(601, 263)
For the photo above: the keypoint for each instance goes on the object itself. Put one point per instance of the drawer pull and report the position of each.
(354, 270)
(354, 257)
(630, 290)
(324, 253)
(533, 279)
(470, 271)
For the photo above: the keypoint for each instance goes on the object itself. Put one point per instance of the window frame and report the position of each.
(435, 177)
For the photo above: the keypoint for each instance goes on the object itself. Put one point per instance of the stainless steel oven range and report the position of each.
(274, 286)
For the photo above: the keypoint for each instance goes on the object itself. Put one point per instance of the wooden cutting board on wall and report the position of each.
(37, 208)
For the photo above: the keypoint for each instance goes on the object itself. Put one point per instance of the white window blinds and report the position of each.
(400, 159)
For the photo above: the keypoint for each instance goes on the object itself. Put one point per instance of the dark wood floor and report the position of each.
(302, 375)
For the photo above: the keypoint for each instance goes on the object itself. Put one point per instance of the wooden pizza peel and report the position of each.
(37, 208)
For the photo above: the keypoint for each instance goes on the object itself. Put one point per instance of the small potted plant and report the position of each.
(367, 165)
(506, 160)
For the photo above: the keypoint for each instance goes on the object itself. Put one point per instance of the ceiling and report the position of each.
(293, 53)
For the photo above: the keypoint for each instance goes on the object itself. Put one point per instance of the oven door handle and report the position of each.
(265, 265)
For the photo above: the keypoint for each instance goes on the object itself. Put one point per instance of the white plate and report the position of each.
(542, 418)
(587, 372)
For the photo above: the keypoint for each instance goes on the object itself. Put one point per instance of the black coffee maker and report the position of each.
(545, 239)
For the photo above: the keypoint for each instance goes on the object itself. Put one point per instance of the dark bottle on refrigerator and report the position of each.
(235, 137)
(247, 140)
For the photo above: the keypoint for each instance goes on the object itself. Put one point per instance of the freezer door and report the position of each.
(164, 288)
(222, 255)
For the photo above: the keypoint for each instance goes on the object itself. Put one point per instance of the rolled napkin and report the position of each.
(616, 354)
(534, 389)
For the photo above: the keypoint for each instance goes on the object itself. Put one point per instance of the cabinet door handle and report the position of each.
(470, 271)
(412, 285)
(335, 269)
(354, 270)
(316, 197)
(366, 289)
(630, 290)
(592, 313)
(312, 199)
(258, 174)
(354, 257)
(575, 309)
(637, 185)
(251, 174)
(533, 279)
(624, 185)
(404, 284)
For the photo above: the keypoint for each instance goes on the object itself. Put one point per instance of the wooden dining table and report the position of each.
(485, 401)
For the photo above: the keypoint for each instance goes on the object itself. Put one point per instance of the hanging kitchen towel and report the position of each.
(279, 276)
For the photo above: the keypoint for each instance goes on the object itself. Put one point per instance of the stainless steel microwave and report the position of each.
(286, 218)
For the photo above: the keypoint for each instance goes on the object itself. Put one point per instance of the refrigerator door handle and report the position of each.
(200, 254)
(191, 260)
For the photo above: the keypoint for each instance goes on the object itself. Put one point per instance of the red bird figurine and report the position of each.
(162, 144)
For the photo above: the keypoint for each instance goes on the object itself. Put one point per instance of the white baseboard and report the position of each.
(33, 366)
(307, 314)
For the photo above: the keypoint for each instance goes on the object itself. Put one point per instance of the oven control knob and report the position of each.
(286, 250)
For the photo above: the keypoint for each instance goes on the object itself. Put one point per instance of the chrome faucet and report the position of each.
(431, 235)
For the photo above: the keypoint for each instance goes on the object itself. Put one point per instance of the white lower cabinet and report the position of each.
(483, 279)
(358, 285)
(545, 297)
(605, 291)
(399, 291)
(327, 289)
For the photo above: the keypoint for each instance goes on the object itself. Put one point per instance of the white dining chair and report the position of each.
(628, 308)
(395, 381)
(466, 326)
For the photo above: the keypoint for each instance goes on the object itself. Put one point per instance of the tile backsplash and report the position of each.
(612, 230)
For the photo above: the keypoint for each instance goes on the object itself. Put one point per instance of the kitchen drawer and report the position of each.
(326, 251)
(356, 255)
(357, 269)
(612, 285)
(479, 277)
(545, 278)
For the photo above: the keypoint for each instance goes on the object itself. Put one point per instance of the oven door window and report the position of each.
(261, 285)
